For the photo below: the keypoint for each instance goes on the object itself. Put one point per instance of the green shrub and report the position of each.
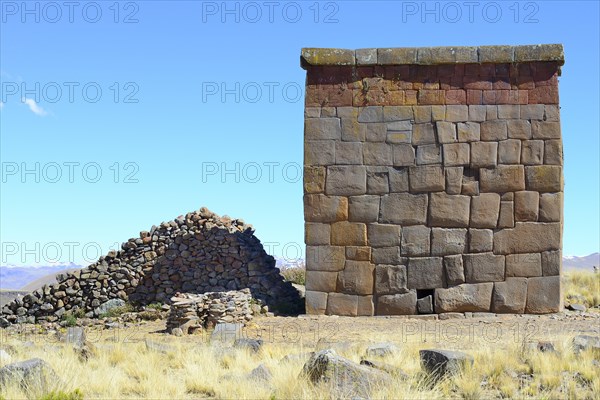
(60, 395)
(69, 318)
(295, 275)
(118, 311)
(154, 306)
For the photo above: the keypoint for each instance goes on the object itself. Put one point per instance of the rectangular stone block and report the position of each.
(551, 205)
(316, 302)
(346, 233)
(356, 278)
(404, 209)
(377, 182)
(455, 274)
(464, 298)
(483, 267)
(398, 179)
(321, 208)
(519, 129)
(316, 234)
(352, 131)
(415, 240)
(422, 114)
(532, 152)
(484, 154)
(325, 258)
(370, 114)
(477, 113)
(468, 131)
(346, 180)
(553, 152)
(481, 240)
(510, 296)
(377, 154)
(456, 154)
(423, 134)
(403, 155)
(446, 132)
(545, 130)
(544, 178)
(390, 279)
(319, 152)
(449, 211)
(399, 113)
(448, 241)
(524, 265)
(509, 111)
(551, 263)
(484, 210)
(376, 132)
(315, 112)
(532, 112)
(386, 255)
(322, 128)
(503, 178)
(454, 176)
(363, 208)
(314, 179)
(427, 179)
(543, 295)
(429, 154)
(397, 304)
(366, 307)
(526, 206)
(509, 151)
(551, 112)
(457, 113)
(342, 304)
(383, 235)
(506, 218)
(358, 253)
(425, 273)
(347, 153)
(328, 112)
(321, 281)
(470, 187)
(528, 237)
(494, 130)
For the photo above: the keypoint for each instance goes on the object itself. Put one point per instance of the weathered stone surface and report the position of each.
(453, 265)
(509, 151)
(383, 235)
(532, 111)
(390, 279)
(316, 234)
(342, 304)
(553, 152)
(519, 129)
(401, 113)
(545, 130)
(325, 258)
(398, 177)
(377, 182)
(404, 208)
(318, 56)
(506, 219)
(316, 302)
(510, 296)
(457, 154)
(352, 130)
(585, 343)
(251, 345)
(319, 152)
(454, 176)
(526, 206)
(449, 211)
(321, 208)
(457, 113)
(484, 154)
(363, 208)
(358, 253)
(366, 307)
(377, 154)
(356, 278)
(464, 298)
(470, 131)
(346, 180)
(532, 152)
(225, 333)
(344, 377)
(427, 178)
(425, 305)
(415, 240)
(370, 114)
(543, 295)
(322, 128)
(442, 363)
(481, 240)
(493, 130)
(348, 153)
(544, 178)
(425, 273)
(397, 304)
(366, 56)
(528, 237)
(346, 233)
(403, 155)
(397, 56)
(314, 179)
(446, 132)
(503, 178)
(423, 134)
(381, 350)
(483, 267)
(448, 241)
(524, 265)
(429, 154)
(484, 210)
(321, 281)
(551, 263)
(35, 376)
(422, 114)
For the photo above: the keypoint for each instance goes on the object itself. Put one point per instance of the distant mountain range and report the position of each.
(18, 277)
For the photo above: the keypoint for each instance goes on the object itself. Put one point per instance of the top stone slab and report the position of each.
(433, 55)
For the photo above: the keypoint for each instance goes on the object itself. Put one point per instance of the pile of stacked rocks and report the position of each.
(196, 253)
(190, 312)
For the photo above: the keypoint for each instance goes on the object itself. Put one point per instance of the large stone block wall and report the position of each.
(196, 253)
(433, 180)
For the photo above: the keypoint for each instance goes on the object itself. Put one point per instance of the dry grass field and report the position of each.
(505, 364)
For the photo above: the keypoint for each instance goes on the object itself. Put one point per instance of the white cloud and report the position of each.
(33, 106)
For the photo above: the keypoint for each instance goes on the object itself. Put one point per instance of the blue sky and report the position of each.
(133, 110)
